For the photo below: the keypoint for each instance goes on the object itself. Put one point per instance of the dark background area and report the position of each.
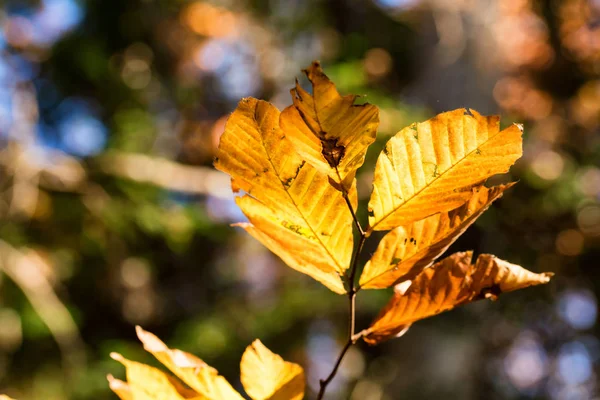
(111, 214)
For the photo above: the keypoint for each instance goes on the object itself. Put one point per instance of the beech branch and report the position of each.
(352, 290)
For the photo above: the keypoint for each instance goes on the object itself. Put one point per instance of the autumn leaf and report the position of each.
(5, 397)
(120, 388)
(266, 376)
(292, 208)
(431, 167)
(405, 251)
(329, 131)
(199, 376)
(449, 283)
(149, 383)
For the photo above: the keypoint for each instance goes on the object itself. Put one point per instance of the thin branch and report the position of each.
(356, 221)
(325, 382)
(352, 338)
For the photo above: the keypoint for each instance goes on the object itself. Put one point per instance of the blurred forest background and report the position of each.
(111, 214)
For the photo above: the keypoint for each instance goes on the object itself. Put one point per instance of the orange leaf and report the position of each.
(449, 283)
(405, 251)
(292, 208)
(431, 167)
(328, 130)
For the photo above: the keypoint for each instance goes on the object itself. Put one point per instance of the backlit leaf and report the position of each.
(405, 251)
(328, 130)
(451, 282)
(119, 387)
(148, 383)
(190, 369)
(292, 208)
(266, 376)
(431, 167)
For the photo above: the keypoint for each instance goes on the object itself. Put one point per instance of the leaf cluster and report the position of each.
(294, 173)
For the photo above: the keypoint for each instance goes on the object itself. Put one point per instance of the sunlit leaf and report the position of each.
(431, 167)
(405, 251)
(148, 383)
(266, 376)
(328, 130)
(119, 387)
(292, 208)
(451, 282)
(190, 369)
(5, 397)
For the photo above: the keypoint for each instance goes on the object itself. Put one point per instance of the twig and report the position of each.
(352, 290)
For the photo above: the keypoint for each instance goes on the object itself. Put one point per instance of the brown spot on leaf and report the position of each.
(332, 152)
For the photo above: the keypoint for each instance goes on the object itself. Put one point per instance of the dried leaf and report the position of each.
(328, 130)
(405, 251)
(266, 376)
(431, 167)
(190, 369)
(292, 208)
(451, 282)
(148, 383)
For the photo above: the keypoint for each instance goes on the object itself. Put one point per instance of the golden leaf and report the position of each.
(328, 130)
(266, 376)
(190, 369)
(431, 167)
(119, 387)
(148, 383)
(405, 251)
(5, 397)
(292, 208)
(449, 283)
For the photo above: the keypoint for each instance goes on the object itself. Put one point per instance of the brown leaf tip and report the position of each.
(315, 70)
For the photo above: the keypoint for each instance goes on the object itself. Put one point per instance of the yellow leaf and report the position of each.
(405, 251)
(148, 383)
(291, 206)
(190, 369)
(329, 130)
(431, 167)
(451, 282)
(266, 376)
(5, 397)
(119, 387)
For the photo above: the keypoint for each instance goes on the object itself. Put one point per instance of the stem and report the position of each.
(352, 338)
(356, 222)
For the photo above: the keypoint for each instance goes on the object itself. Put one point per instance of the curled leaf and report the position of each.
(431, 167)
(266, 376)
(292, 208)
(405, 251)
(449, 283)
(328, 130)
